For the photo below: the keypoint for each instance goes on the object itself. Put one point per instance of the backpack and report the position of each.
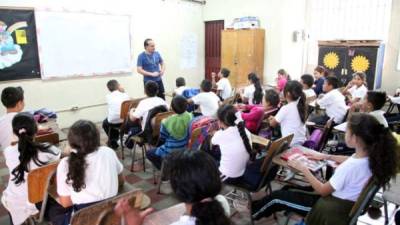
(207, 124)
(314, 141)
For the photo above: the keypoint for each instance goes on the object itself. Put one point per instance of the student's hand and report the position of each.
(132, 216)
(315, 155)
(297, 165)
(213, 75)
(121, 89)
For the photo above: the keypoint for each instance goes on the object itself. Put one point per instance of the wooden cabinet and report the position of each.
(344, 58)
(242, 52)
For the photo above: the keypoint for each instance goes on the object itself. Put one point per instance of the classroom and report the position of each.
(200, 112)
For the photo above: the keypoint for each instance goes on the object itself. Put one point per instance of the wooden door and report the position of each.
(229, 44)
(213, 46)
(259, 40)
(245, 56)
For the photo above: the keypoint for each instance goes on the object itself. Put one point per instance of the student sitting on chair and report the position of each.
(174, 132)
(307, 81)
(253, 91)
(91, 173)
(373, 103)
(224, 88)
(356, 89)
(114, 101)
(319, 74)
(375, 158)
(207, 100)
(180, 86)
(13, 99)
(281, 80)
(21, 158)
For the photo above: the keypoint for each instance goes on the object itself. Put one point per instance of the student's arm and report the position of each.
(65, 201)
(190, 101)
(321, 156)
(276, 120)
(63, 191)
(214, 84)
(121, 180)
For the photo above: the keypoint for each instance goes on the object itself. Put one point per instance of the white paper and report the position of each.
(189, 45)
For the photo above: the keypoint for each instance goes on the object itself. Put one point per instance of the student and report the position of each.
(253, 93)
(307, 81)
(174, 132)
(373, 104)
(13, 99)
(194, 181)
(292, 117)
(356, 88)
(21, 158)
(180, 86)
(319, 74)
(234, 143)
(375, 157)
(282, 79)
(207, 100)
(224, 88)
(90, 174)
(333, 101)
(145, 105)
(114, 101)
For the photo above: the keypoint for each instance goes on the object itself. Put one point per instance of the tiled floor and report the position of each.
(144, 180)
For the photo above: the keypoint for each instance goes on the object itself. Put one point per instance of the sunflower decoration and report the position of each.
(331, 60)
(360, 63)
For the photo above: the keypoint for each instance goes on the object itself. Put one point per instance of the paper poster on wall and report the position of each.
(18, 47)
(188, 51)
(398, 62)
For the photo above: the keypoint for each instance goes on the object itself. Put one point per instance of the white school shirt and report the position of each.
(379, 115)
(358, 92)
(350, 178)
(114, 101)
(334, 104)
(145, 105)
(249, 93)
(208, 102)
(234, 156)
(225, 87)
(15, 197)
(179, 90)
(6, 132)
(309, 92)
(101, 177)
(289, 119)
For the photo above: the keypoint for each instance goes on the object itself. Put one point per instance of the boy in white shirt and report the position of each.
(307, 81)
(13, 99)
(206, 99)
(113, 120)
(180, 86)
(224, 88)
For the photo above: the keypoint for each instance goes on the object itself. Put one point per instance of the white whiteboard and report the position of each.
(82, 44)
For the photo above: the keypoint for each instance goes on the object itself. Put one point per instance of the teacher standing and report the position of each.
(151, 66)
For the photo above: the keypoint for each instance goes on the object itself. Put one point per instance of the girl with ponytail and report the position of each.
(91, 173)
(21, 158)
(292, 116)
(253, 93)
(375, 158)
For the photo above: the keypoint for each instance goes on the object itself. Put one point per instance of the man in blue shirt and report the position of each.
(151, 66)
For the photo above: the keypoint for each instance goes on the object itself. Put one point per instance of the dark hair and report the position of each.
(307, 79)
(361, 75)
(283, 72)
(194, 179)
(84, 138)
(180, 81)
(377, 99)
(151, 88)
(146, 42)
(206, 85)
(380, 145)
(295, 89)
(179, 104)
(226, 114)
(333, 81)
(272, 97)
(322, 70)
(10, 96)
(112, 85)
(258, 93)
(225, 72)
(24, 127)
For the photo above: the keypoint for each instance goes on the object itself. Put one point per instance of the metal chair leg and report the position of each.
(385, 208)
(160, 179)
(133, 157)
(144, 157)
(121, 140)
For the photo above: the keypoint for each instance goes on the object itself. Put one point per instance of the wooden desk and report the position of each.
(52, 123)
(166, 216)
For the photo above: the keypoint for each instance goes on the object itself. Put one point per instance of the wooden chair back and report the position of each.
(52, 138)
(39, 181)
(325, 134)
(274, 149)
(156, 122)
(363, 201)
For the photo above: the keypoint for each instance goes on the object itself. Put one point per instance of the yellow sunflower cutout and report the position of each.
(331, 60)
(360, 63)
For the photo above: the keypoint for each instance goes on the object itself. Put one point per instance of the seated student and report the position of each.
(281, 80)
(292, 116)
(373, 104)
(142, 110)
(356, 89)
(206, 99)
(174, 132)
(21, 158)
(13, 99)
(195, 181)
(90, 174)
(319, 74)
(114, 101)
(180, 86)
(252, 94)
(234, 143)
(332, 101)
(374, 158)
(224, 88)
(307, 81)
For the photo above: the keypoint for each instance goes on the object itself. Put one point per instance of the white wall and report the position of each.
(279, 19)
(164, 21)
